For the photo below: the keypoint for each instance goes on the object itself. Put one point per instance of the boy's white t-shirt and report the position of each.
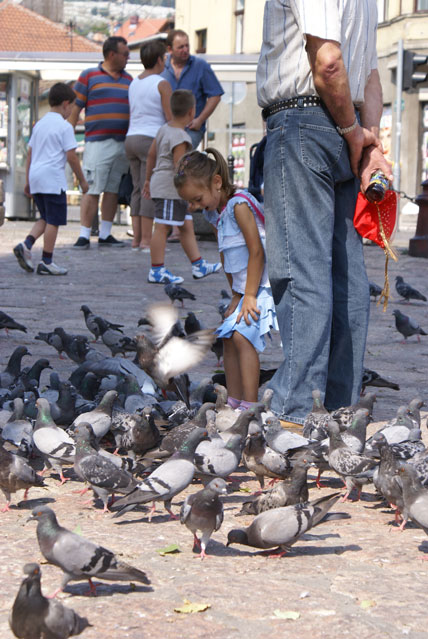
(50, 140)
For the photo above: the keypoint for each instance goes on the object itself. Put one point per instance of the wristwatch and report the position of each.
(347, 129)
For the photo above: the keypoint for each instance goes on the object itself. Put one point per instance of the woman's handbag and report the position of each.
(125, 189)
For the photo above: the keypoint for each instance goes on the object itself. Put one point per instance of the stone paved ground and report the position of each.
(353, 578)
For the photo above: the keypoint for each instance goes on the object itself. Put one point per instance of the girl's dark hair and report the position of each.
(202, 168)
(151, 52)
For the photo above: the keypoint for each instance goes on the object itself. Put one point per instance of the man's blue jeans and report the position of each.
(315, 260)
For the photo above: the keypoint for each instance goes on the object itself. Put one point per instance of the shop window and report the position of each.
(421, 5)
(201, 41)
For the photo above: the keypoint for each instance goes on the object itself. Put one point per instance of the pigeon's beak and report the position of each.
(31, 518)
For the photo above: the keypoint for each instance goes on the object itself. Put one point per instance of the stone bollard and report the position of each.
(418, 245)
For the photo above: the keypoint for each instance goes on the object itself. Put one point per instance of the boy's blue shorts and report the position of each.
(52, 207)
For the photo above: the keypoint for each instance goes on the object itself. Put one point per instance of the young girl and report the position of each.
(203, 181)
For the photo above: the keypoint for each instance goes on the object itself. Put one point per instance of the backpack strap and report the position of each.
(254, 206)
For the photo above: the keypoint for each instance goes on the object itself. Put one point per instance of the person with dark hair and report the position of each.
(202, 179)
(185, 71)
(149, 103)
(103, 93)
(171, 142)
(51, 145)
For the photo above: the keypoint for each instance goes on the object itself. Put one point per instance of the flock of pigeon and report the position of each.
(138, 429)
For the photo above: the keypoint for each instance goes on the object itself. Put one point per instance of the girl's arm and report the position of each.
(256, 261)
(165, 90)
(150, 165)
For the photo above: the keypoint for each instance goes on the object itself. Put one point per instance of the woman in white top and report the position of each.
(149, 98)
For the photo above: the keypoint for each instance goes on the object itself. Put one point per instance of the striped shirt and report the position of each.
(283, 70)
(105, 100)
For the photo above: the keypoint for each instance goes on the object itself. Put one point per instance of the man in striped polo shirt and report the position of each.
(318, 85)
(103, 93)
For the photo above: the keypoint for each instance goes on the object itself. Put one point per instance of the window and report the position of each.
(239, 26)
(201, 41)
(421, 5)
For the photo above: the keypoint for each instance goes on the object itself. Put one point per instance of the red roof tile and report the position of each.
(25, 30)
(135, 30)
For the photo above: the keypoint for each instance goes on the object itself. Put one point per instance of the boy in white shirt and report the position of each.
(51, 145)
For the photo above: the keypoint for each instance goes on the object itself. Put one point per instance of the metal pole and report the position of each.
(399, 88)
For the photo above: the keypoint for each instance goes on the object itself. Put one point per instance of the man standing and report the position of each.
(185, 71)
(320, 91)
(103, 92)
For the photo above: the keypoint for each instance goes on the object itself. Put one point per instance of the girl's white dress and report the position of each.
(231, 243)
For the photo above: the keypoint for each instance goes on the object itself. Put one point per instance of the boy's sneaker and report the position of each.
(51, 269)
(204, 268)
(161, 275)
(111, 242)
(23, 255)
(82, 243)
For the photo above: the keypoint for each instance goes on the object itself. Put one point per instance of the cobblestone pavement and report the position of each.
(352, 578)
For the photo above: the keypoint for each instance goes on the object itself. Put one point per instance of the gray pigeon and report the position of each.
(53, 443)
(169, 479)
(371, 378)
(104, 477)
(375, 290)
(136, 433)
(315, 423)
(204, 511)
(355, 435)
(176, 292)
(9, 324)
(226, 415)
(92, 325)
(76, 347)
(406, 291)
(407, 326)
(18, 430)
(175, 438)
(386, 480)
(114, 339)
(15, 474)
(78, 557)
(354, 468)
(167, 357)
(282, 527)
(99, 418)
(13, 367)
(396, 431)
(415, 497)
(282, 440)
(52, 339)
(33, 616)
(263, 460)
(344, 416)
(285, 493)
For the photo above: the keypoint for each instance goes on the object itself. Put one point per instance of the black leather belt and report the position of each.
(294, 103)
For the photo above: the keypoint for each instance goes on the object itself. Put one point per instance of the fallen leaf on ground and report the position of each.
(172, 548)
(367, 603)
(190, 607)
(286, 614)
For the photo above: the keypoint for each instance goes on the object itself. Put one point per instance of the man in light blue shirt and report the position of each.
(185, 71)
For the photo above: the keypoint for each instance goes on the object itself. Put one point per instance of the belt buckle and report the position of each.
(300, 102)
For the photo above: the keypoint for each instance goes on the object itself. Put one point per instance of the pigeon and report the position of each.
(93, 326)
(415, 497)
(353, 467)
(75, 346)
(9, 324)
(36, 369)
(281, 440)
(192, 324)
(176, 292)
(15, 474)
(413, 410)
(386, 480)
(53, 443)
(224, 302)
(18, 430)
(375, 290)
(165, 358)
(226, 415)
(174, 439)
(285, 493)
(406, 291)
(13, 367)
(407, 326)
(355, 435)
(282, 527)
(263, 460)
(79, 558)
(314, 425)
(396, 431)
(136, 433)
(114, 339)
(345, 415)
(63, 410)
(169, 479)
(33, 616)
(204, 511)
(103, 475)
(118, 366)
(100, 417)
(52, 339)
(265, 374)
(371, 378)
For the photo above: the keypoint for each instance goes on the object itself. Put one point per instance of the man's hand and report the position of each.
(373, 160)
(195, 124)
(84, 186)
(358, 140)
